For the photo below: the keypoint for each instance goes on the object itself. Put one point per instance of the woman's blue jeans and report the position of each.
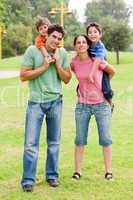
(34, 118)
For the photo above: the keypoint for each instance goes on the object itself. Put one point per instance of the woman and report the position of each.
(91, 102)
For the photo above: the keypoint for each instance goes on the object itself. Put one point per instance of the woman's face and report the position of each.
(81, 45)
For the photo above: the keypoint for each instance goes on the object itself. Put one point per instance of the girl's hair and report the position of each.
(87, 40)
(96, 25)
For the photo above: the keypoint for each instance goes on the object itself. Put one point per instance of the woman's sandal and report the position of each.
(109, 176)
(76, 176)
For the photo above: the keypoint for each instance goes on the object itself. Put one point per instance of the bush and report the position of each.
(17, 39)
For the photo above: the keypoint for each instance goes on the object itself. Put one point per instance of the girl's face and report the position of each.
(81, 45)
(94, 35)
(43, 29)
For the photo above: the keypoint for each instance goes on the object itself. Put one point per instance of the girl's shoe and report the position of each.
(109, 176)
(76, 176)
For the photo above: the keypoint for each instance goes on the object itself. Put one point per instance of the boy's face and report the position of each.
(43, 30)
(94, 35)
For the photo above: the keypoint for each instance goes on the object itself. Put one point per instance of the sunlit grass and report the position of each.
(13, 97)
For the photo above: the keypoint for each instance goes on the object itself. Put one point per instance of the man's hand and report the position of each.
(57, 57)
(50, 59)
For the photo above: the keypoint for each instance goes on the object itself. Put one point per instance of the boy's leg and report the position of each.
(106, 88)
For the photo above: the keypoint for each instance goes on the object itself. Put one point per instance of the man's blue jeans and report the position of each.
(34, 118)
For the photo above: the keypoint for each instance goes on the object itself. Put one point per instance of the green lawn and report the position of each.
(92, 186)
(14, 63)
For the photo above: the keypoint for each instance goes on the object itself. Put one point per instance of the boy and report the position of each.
(98, 49)
(42, 25)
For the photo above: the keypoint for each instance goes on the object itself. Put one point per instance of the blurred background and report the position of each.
(17, 22)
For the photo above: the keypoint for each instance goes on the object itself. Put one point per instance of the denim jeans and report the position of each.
(34, 118)
(102, 113)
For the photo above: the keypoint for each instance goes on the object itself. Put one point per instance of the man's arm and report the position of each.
(27, 73)
(64, 74)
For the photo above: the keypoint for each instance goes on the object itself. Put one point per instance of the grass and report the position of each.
(14, 63)
(13, 96)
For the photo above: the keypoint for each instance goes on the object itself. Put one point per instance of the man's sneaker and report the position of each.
(109, 176)
(53, 182)
(28, 188)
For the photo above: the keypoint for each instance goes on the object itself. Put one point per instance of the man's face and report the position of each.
(54, 40)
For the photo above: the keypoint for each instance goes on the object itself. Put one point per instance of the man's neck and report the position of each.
(49, 50)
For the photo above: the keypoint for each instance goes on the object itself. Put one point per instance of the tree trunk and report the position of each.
(117, 57)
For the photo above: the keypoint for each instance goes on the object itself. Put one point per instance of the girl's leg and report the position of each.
(103, 118)
(79, 151)
(107, 154)
(82, 118)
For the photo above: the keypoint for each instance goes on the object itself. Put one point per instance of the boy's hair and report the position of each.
(42, 21)
(56, 27)
(96, 25)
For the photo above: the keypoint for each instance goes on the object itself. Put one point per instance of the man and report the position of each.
(44, 78)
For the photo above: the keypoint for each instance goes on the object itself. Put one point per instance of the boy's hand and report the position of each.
(50, 59)
(90, 78)
(47, 62)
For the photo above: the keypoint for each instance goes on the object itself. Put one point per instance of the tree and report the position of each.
(24, 12)
(72, 28)
(18, 38)
(117, 36)
(114, 17)
(98, 9)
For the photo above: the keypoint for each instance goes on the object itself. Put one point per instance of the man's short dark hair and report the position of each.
(56, 27)
(96, 25)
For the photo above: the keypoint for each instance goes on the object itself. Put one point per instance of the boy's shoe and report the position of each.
(109, 176)
(28, 188)
(53, 182)
(76, 176)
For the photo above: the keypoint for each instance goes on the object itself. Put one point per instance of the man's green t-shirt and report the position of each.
(47, 86)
